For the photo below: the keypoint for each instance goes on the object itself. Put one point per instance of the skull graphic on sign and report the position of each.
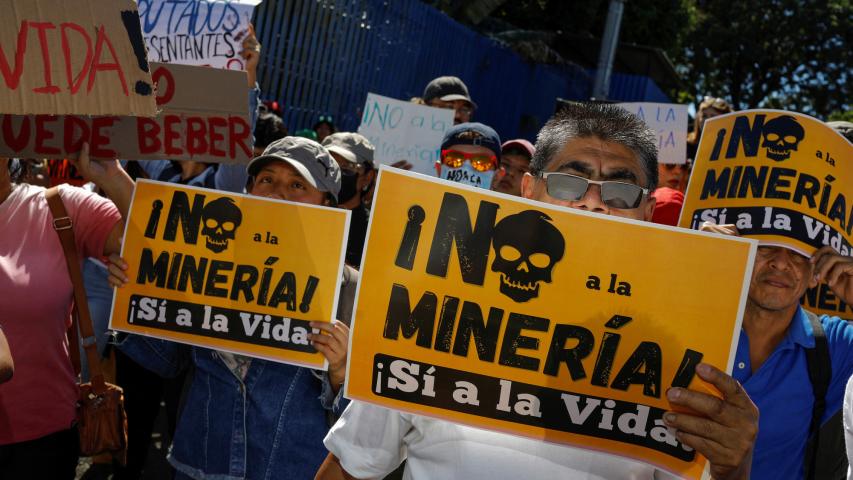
(221, 217)
(527, 245)
(781, 137)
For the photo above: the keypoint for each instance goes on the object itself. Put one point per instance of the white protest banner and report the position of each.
(196, 32)
(405, 131)
(669, 122)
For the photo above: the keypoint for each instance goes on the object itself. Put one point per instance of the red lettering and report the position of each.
(75, 83)
(16, 142)
(13, 78)
(48, 87)
(44, 133)
(171, 134)
(100, 140)
(196, 136)
(148, 135)
(215, 137)
(238, 134)
(97, 66)
(72, 142)
(167, 90)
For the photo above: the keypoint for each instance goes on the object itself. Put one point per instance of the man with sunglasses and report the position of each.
(469, 155)
(585, 163)
(602, 159)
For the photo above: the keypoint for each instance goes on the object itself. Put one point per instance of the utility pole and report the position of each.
(608, 50)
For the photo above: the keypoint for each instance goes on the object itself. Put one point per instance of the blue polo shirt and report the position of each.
(783, 393)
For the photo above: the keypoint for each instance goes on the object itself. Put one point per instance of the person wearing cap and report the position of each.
(354, 154)
(469, 155)
(249, 418)
(515, 161)
(143, 390)
(597, 158)
(324, 127)
(450, 92)
(668, 203)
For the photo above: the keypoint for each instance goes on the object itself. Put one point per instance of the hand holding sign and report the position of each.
(98, 172)
(836, 271)
(117, 268)
(726, 431)
(333, 345)
(252, 55)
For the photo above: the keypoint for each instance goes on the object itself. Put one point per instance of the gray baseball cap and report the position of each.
(352, 146)
(447, 89)
(308, 157)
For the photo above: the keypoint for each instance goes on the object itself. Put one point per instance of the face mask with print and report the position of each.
(468, 176)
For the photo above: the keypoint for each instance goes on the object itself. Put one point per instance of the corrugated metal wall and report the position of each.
(324, 56)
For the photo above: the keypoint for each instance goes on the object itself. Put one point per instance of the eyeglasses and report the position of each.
(480, 161)
(464, 109)
(565, 186)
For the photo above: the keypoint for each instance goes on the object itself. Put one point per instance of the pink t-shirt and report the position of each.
(35, 301)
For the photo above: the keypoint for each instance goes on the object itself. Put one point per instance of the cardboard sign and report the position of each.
(230, 272)
(782, 178)
(204, 117)
(84, 57)
(669, 122)
(405, 131)
(532, 319)
(196, 32)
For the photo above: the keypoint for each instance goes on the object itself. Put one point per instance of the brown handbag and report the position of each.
(101, 419)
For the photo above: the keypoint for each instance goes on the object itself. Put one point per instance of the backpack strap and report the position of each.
(80, 317)
(820, 374)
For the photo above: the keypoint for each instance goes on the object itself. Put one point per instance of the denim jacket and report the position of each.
(269, 425)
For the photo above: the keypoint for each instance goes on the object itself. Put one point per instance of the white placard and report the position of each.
(405, 131)
(669, 122)
(196, 32)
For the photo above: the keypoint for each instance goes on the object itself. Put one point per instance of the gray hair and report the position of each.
(604, 121)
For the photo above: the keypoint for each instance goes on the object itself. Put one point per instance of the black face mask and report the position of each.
(349, 181)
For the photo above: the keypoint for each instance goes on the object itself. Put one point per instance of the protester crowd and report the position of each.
(235, 417)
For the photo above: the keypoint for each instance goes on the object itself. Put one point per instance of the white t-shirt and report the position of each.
(372, 441)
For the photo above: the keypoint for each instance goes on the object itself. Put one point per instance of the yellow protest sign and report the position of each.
(782, 178)
(230, 272)
(523, 317)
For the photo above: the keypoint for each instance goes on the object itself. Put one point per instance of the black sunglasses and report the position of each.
(614, 194)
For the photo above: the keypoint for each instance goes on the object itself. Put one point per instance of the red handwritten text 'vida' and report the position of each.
(74, 39)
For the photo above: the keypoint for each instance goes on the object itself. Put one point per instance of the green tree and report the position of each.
(840, 116)
(792, 54)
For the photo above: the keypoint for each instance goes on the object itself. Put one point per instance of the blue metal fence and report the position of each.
(324, 56)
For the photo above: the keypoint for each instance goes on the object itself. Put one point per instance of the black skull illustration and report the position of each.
(526, 247)
(781, 137)
(221, 218)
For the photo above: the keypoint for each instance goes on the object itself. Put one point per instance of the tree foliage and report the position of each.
(792, 54)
